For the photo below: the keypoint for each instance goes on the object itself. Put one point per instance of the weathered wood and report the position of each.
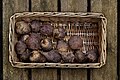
(44, 74)
(118, 41)
(44, 5)
(109, 8)
(1, 54)
(73, 74)
(10, 7)
(75, 6)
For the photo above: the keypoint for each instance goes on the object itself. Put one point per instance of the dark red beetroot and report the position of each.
(80, 56)
(20, 47)
(35, 25)
(62, 46)
(52, 56)
(67, 56)
(24, 37)
(22, 27)
(36, 56)
(46, 30)
(37, 35)
(33, 41)
(25, 56)
(75, 42)
(46, 44)
(92, 55)
(59, 33)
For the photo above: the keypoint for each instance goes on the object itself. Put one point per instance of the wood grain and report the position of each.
(44, 74)
(10, 7)
(44, 5)
(73, 74)
(74, 6)
(109, 8)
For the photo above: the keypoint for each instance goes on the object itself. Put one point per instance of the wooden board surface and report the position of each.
(118, 44)
(44, 74)
(75, 6)
(107, 72)
(44, 5)
(10, 7)
(109, 8)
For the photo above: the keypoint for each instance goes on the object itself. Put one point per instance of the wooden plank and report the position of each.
(75, 6)
(73, 74)
(10, 7)
(118, 59)
(44, 5)
(44, 74)
(109, 8)
(1, 54)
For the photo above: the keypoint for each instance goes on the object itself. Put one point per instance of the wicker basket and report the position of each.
(67, 20)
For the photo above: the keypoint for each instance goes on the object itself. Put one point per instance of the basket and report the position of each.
(91, 34)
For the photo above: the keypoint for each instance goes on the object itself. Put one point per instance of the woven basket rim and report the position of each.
(79, 14)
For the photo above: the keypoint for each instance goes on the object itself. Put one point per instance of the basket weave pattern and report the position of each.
(93, 35)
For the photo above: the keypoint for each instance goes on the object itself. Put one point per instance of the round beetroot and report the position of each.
(24, 57)
(46, 44)
(46, 30)
(36, 56)
(52, 56)
(62, 46)
(59, 33)
(33, 41)
(24, 37)
(35, 25)
(75, 42)
(22, 27)
(80, 56)
(20, 47)
(92, 55)
(67, 56)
